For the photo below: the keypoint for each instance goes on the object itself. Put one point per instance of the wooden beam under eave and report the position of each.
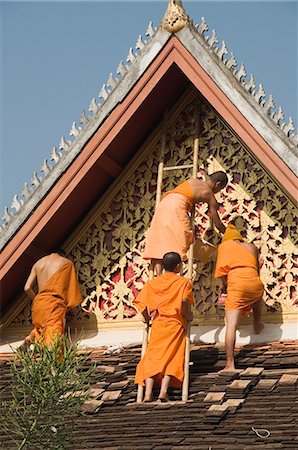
(14, 311)
(109, 165)
(35, 252)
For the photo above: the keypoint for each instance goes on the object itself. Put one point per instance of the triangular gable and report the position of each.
(223, 71)
(188, 55)
(107, 245)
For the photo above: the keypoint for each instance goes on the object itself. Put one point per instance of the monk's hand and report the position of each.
(261, 263)
(146, 317)
(28, 340)
(190, 316)
(146, 322)
(153, 314)
(222, 299)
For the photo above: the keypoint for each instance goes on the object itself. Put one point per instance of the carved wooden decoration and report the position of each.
(175, 17)
(108, 256)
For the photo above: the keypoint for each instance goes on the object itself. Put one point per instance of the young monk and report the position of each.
(58, 291)
(170, 228)
(238, 266)
(171, 296)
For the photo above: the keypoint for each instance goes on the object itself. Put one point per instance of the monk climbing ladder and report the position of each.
(169, 296)
(170, 228)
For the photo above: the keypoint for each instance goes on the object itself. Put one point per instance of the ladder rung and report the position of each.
(188, 166)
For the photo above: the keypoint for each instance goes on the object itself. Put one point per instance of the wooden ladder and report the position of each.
(161, 170)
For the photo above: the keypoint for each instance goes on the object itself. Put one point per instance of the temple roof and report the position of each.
(128, 107)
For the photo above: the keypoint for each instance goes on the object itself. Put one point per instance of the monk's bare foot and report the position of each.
(228, 369)
(24, 347)
(148, 396)
(163, 398)
(258, 328)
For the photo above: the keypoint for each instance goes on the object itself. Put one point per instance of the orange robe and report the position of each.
(244, 286)
(165, 352)
(170, 229)
(61, 293)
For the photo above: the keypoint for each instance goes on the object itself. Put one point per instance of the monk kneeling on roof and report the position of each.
(238, 266)
(169, 296)
(58, 291)
(170, 228)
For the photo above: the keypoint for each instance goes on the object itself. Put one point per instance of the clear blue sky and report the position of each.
(55, 56)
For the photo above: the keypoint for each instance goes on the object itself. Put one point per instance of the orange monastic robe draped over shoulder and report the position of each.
(61, 293)
(165, 352)
(170, 227)
(240, 266)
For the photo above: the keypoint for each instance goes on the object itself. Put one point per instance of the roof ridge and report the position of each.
(267, 105)
(50, 164)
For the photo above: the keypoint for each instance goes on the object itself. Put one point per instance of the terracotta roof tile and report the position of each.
(192, 425)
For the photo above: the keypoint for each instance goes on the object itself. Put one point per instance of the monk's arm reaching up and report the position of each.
(257, 255)
(141, 303)
(186, 310)
(254, 250)
(224, 281)
(28, 288)
(187, 301)
(213, 206)
(146, 316)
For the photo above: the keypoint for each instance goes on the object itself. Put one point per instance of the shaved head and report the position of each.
(171, 260)
(219, 177)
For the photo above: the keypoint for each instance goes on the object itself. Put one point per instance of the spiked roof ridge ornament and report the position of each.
(175, 17)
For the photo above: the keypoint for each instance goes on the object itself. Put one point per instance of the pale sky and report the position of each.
(55, 56)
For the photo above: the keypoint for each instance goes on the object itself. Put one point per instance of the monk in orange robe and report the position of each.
(170, 295)
(170, 228)
(238, 266)
(58, 291)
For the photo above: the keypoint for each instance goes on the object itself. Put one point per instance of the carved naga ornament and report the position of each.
(175, 17)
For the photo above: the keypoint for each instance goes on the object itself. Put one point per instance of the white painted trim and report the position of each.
(243, 101)
(121, 337)
(134, 72)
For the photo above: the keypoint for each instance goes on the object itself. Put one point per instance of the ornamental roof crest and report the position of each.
(175, 17)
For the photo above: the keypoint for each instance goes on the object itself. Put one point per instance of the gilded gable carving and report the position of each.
(108, 255)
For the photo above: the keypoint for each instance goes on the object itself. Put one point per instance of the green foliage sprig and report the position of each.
(49, 386)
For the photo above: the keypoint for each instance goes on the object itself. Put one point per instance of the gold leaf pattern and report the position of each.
(108, 257)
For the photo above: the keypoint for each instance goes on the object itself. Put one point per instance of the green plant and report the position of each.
(49, 386)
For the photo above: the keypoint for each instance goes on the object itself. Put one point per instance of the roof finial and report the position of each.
(175, 17)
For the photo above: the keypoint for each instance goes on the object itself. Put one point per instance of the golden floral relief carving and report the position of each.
(24, 318)
(108, 257)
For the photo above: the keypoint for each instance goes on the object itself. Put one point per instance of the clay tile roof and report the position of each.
(261, 413)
